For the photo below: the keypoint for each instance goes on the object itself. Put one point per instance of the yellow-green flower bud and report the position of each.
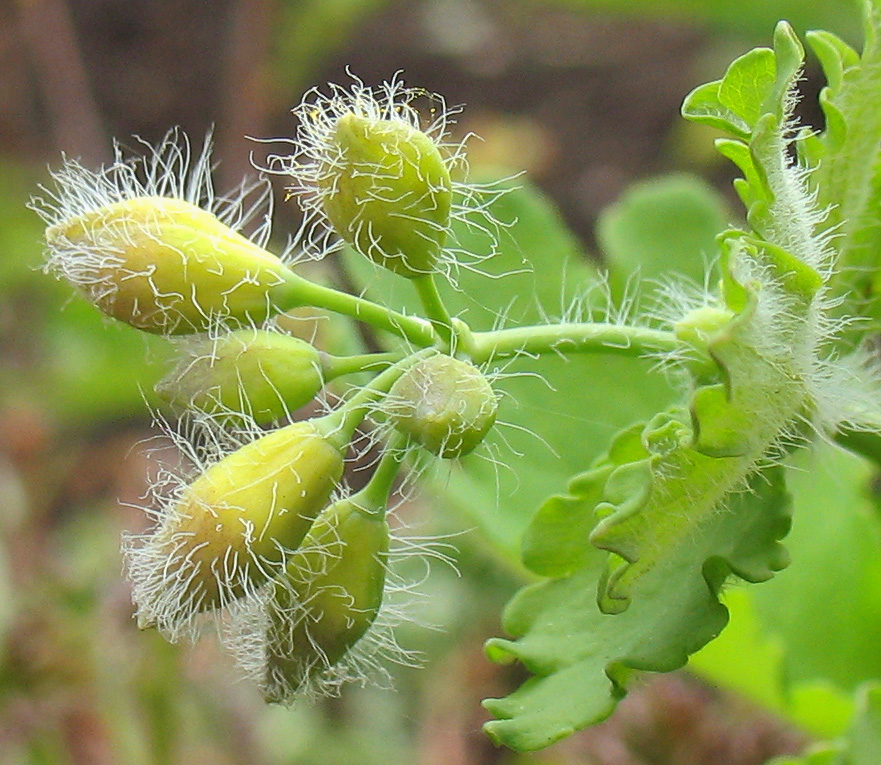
(387, 191)
(229, 530)
(265, 375)
(327, 598)
(445, 404)
(165, 265)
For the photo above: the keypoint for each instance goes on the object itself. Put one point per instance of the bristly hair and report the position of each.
(315, 153)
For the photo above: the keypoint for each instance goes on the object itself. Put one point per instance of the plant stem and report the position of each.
(337, 366)
(339, 426)
(306, 293)
(435, 310)
(588, 337)
(377, 490)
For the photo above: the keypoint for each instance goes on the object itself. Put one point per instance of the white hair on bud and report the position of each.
(168, 169)
(315, 155)
(368, 661)
(162, 580)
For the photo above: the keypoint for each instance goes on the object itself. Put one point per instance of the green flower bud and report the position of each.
(229, 530)
(387, 191)
(699, 328)
(444, 404)
(327, 598)
(165, 265)
(263, 374)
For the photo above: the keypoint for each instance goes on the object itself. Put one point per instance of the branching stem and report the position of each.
(378, 489)
(340, 425)
(417, 331)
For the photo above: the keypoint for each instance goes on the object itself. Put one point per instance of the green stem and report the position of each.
(339, 426)
(378, 489)
(306, 293)
(338, 366)
(435, 310)
(571, 338)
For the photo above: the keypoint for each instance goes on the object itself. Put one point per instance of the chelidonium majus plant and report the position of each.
(265, 541)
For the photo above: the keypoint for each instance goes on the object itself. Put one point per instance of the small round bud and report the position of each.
(698, 328)
(265, 375)
(387, 192)
(326, 599)
(229, 530)
(164, 265)
(444, 404)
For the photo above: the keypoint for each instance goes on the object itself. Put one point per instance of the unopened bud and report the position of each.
(699, 328)
(387, 192)
(445, 404)
(263, 374)
(228, 531)
(327, 598)
(165, 265)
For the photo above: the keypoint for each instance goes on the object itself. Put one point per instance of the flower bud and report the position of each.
(327, 598)
(699, 328)
(444, 404)
(229, 530)
(164, 265)
(387, 192)
(265, 375)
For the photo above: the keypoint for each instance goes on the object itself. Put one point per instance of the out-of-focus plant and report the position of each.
(767, 351)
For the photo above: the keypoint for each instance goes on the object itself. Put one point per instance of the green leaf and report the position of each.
(846, 158)
(748, 84)
(747, 659)
(582, 658)
(704, 105)
(755, 84)
(556, 542)
(662, 227)
(836, 572)
(861, 745)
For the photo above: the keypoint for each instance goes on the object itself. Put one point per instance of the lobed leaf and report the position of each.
(583, 658)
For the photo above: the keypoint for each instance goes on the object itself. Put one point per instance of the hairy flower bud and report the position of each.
(698, 328)
(444, 404)
(387, 192)
(165, 265)
(327, 598)
(228, 531)
(263, 374)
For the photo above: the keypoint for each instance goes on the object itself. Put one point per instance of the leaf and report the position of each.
(748, 84)
(583, 658)
(862, 743)
(663, 227)
(836, 572)
(704, 105)
(755, 84)
(748, 659)
(847, 157)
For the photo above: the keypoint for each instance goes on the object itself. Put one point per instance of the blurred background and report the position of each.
(582, 94)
